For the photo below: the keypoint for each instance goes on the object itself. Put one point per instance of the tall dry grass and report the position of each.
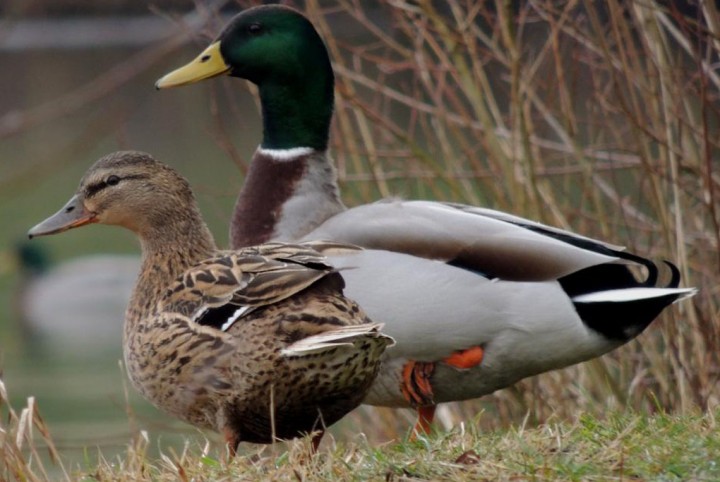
(21, 437)
(598, 117)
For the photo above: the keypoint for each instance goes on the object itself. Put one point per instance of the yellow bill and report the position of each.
(209, 63)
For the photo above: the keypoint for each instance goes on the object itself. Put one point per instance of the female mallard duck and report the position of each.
(257, 343)
(476, 299)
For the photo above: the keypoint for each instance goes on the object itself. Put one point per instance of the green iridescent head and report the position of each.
(278, 49)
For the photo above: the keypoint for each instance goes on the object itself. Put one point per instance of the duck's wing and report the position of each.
(222, 289)
(496, 244)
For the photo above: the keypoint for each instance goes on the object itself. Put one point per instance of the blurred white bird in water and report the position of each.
(75, 304)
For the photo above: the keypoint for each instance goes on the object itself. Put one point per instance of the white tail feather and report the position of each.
(633, 294)
(344, 336)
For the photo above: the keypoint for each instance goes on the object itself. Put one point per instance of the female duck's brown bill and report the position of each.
(72, 215)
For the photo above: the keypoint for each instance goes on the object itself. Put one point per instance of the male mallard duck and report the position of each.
(476, 299)
(257, 343)
(76, 303)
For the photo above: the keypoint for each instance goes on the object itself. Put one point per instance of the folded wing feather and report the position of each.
(486, 241)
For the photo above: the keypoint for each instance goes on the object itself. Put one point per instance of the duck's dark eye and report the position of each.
(112, 180)
(255, 28)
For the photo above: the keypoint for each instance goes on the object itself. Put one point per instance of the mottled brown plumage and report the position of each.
(258, 343)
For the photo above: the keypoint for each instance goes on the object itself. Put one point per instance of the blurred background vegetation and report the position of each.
(598, 117)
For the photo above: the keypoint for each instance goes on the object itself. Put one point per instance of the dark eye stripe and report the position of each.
(93, 189)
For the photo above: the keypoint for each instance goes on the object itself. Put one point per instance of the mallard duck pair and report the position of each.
(257, 344)
(476, 299)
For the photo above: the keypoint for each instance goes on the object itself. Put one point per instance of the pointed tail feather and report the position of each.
(611, 301)
(345, 336)
(627, 295)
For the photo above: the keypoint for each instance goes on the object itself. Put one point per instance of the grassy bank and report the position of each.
(615, 447)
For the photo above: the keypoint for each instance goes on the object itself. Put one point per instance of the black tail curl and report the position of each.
(619, 320)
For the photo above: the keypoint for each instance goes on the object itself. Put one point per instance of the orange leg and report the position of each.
(232, 440)
(415, 385)
(315, 441)
(426, 415)
(465, 359)
(417, 390)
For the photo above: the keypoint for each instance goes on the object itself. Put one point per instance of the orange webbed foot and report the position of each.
(465, 359)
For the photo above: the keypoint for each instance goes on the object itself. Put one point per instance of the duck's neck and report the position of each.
(286, 194)
(291, 186)
(170, 245)
(297, 112)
